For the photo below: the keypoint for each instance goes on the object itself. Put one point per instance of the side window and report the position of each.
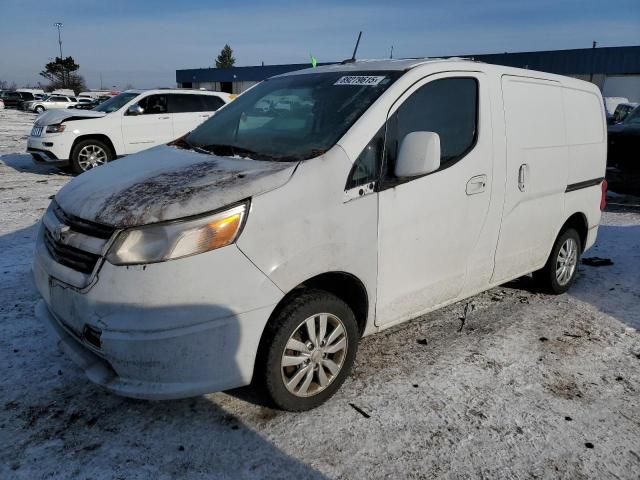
(184, 102)
(366, 168)
(212, 103)
(153, 104)
(448, 107)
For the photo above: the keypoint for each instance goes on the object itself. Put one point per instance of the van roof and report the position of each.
(174, 90)
(373, 65)
(459, 62)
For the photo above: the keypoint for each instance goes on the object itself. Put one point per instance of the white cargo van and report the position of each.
(264, 244)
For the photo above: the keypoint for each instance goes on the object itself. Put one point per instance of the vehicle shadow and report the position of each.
(22, 162)
(613, 289)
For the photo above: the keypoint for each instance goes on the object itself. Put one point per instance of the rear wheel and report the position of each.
(561, 268)
(307, 351)
(89, 154)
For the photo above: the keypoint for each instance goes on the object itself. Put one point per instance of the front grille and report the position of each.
(73, 242)
(71, 257)
(36, 131)
(77, 224)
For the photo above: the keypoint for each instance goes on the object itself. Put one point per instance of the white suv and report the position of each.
(127, 123)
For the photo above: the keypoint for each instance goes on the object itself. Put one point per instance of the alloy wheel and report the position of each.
(91, 156)
(567, 261)
(314, 355)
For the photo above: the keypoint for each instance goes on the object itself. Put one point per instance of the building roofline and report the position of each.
(577, 61)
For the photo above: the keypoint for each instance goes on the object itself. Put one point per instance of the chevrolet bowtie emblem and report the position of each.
(59, 232)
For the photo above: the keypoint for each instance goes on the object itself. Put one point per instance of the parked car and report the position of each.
(85, 103)
(98, 93)
(13, 99)
(33, 91)
(1, 104)
(610, 104)
(265, 243)
(127, 123)
(50, 103)
(624, 142)
(622, 110)
(65, 92)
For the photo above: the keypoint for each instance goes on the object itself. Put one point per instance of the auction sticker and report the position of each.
(359, 80)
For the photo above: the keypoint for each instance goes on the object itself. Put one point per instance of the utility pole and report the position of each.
(59, 26)
(391, 55)
(100, 80)
(593, 55)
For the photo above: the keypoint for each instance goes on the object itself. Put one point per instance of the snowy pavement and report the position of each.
(531, 386)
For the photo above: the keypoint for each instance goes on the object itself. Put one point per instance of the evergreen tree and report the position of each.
(61, 74)
(225, 59)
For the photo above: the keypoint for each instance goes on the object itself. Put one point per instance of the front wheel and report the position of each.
(38, 109)
(307, 350)
(561, 268)
(89, 154)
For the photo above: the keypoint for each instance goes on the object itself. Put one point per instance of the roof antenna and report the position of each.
(353, 57)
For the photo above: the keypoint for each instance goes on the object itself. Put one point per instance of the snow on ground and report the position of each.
(531, 386)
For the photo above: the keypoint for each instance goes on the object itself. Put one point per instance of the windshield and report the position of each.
(116, 103)
(293, 117)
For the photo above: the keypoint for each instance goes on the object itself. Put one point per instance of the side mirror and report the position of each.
(419, 154)
(135, 110)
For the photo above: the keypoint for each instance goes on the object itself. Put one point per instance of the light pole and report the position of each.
(59, 26)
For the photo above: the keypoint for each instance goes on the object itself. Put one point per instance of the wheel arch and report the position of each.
(577, 221)
(346, 286)
(95, 136)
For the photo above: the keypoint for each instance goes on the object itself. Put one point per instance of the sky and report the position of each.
(142, 43)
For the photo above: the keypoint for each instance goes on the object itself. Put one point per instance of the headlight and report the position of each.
(157, 243)
(59, 128)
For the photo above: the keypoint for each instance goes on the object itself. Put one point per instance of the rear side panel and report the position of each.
(587, 152)
(536, 177)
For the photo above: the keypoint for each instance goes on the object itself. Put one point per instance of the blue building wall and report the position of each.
(584, 61)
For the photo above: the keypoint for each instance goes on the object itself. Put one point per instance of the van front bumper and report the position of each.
(163, 330)
(177, 363)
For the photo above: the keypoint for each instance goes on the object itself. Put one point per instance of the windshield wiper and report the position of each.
(225, 150)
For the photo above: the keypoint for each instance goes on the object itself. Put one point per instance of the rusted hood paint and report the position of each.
(167, 183)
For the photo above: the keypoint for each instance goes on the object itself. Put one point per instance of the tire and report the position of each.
(307, 362)
(552, 277)
(38, 109)
(89, 154)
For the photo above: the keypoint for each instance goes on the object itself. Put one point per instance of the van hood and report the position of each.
(167, 183)
(60, 115)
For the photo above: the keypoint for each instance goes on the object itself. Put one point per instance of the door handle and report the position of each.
(523, 175)
(204, 116)
(164, 118)
(477, 184)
